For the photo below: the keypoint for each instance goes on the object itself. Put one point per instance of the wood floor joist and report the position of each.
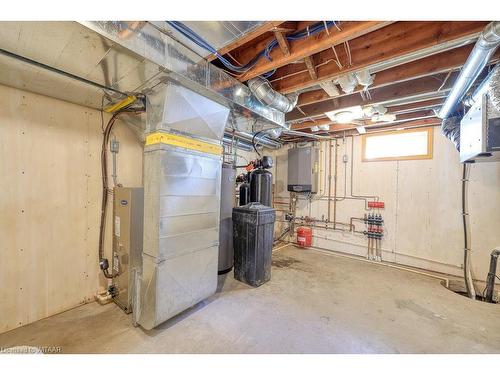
(394, 41)
(439, 63)
(408, 116)
(399, 91)
(258, 31)
(303, 48)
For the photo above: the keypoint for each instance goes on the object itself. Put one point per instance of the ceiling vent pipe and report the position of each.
(484, 49)
(263, 91)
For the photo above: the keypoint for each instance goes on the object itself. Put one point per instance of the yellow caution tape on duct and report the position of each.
(184, 142)
(121, 104)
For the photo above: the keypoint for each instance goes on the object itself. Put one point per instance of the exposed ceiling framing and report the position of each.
(413, 65)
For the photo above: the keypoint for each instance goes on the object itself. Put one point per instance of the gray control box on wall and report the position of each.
(303, 169)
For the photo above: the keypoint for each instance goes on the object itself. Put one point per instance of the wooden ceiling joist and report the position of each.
(283, 43)
(394, 41)
(311, 67)
(416, 106)
(387, 126)
(256, 32)
(416, 114)
(300, 49)
(341, 130)
(430, 65)
(398, 91)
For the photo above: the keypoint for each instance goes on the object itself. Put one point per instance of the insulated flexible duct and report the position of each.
(450, 128)
(263, 91)
(484, 49)
(494, 90)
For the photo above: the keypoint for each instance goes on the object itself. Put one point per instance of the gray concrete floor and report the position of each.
(314, 303)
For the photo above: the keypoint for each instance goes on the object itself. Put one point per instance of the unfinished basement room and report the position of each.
(250, 187)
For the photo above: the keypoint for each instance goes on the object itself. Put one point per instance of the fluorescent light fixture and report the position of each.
(346, 115)
(361, 129)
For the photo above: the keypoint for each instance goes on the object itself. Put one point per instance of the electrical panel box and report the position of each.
(128, 214)
(480, 132)
(303, 169)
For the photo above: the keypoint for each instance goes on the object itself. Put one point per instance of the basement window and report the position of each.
(409, 144)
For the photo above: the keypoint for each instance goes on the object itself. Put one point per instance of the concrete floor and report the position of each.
(314, 303)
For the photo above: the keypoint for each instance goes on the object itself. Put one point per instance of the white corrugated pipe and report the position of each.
(485, 47)
(263, 91)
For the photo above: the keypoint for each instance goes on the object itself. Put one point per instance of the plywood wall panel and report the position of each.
(423, 207)
(50, 203)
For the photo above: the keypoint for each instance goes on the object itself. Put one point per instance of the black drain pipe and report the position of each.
(490, 280)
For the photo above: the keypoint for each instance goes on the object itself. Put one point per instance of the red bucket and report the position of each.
(304, 236)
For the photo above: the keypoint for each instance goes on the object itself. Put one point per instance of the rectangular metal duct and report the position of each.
(110, 58)
(217, 33)
(480, 132)
(182, 176)
(189, 104)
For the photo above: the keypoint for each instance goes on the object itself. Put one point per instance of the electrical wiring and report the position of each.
(266, 52)
(253, 142)
(103, 262)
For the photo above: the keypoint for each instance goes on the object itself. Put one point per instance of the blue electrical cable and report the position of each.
(266, 52)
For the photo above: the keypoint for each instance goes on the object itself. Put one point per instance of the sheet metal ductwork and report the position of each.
(485, 47)
(94, 63)
(263, 91)
(259, 139)
(182, 177)
(245, 146)
(190, 103)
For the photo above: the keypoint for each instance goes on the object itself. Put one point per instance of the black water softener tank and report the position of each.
(261, 182)
(253, 227)
(244, 195)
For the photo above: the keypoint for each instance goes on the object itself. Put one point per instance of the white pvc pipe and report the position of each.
(329, 252)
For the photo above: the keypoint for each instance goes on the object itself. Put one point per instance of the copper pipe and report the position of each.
(325, 226)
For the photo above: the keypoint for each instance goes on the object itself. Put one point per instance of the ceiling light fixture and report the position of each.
(346, 115)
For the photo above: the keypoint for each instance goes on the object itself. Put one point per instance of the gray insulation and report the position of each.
(494, 89)
(450, 128)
